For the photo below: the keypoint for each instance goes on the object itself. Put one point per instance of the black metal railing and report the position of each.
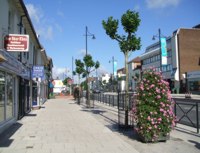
(187, 112)
(185, 109)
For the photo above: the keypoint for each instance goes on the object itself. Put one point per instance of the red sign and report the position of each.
(14, 42)
(69, 81)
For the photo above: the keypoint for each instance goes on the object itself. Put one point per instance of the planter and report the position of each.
(161, 138)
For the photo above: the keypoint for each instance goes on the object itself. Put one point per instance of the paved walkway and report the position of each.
(61, 126)
(183, 139)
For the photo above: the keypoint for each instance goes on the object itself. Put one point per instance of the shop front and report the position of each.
(24, 92)
(193, 82)
(9, 72)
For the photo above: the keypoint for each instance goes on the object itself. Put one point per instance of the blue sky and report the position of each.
(61, 26)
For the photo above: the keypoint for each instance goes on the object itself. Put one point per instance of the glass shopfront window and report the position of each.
(6, 96)
(9, 103)
(2, 96)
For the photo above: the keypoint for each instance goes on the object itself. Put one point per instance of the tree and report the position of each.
(127, 43)
(65, 81)
(85, 68)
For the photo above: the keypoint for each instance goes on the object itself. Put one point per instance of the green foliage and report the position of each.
(130, 22)
(154, 107)
(65, 81)
(111, 27)
(79, 66)
(87, 66)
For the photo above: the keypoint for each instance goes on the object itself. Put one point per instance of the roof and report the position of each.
(135, 60)
(122, 69)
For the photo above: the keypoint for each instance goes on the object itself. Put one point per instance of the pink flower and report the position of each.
(159, 119)
(158, 97)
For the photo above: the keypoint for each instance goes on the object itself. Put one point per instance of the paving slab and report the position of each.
(62, 126)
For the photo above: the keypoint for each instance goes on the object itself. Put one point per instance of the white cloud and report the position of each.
(49, 34)
(42, 23)
(59, 13)
(102, 70)
(61, 72)
(136, 7)
(81, 53)
(161, 3)
(35, 13)
(58, 27)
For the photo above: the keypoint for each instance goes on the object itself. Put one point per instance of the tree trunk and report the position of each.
(126, 90)
(88, 93)
(79, 89)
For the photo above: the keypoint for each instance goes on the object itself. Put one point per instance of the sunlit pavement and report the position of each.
(62, 126)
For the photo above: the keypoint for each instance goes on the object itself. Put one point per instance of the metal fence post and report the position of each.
(118, 100)
(109, 100)
(197, 113)
(174, 107)
(113, 100)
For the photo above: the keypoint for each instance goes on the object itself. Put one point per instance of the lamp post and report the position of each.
(159, 37)
(113, 60)
(87, 33)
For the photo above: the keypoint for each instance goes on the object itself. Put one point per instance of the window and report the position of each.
(6, 96)
(9, 102)
(2, 96)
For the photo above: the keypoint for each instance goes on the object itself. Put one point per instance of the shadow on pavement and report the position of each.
(31, 115)
(5, 140)
(197, 144)
(187, 131)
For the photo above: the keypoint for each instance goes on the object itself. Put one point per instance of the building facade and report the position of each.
(183, 53)
(17, 87)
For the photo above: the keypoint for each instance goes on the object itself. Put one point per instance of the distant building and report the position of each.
(183, 60)
(105, 77)
(134, 69)
(58, 86)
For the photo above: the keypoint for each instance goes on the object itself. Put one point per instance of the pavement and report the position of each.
(62, 126)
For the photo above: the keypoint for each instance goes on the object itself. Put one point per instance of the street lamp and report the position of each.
(159, 37)
(87, 33)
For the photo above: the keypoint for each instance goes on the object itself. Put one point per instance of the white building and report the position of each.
(17, 88)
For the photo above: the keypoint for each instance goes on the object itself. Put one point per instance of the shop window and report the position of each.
(9, 102)
(194, 86)
(2, 96)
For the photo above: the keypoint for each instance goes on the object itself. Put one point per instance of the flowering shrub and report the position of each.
(153, 110)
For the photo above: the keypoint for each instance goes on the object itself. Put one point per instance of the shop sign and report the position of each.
(38, 72)
(194, 74)
(70, 81)
(16, 42)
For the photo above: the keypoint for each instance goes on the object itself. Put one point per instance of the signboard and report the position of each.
(193, 74)
(163, 50)
(17, 43)
(38, 72)
(70, 81)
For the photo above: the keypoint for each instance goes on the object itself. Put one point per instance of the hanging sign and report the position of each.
(16, 42)
(163, 50)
